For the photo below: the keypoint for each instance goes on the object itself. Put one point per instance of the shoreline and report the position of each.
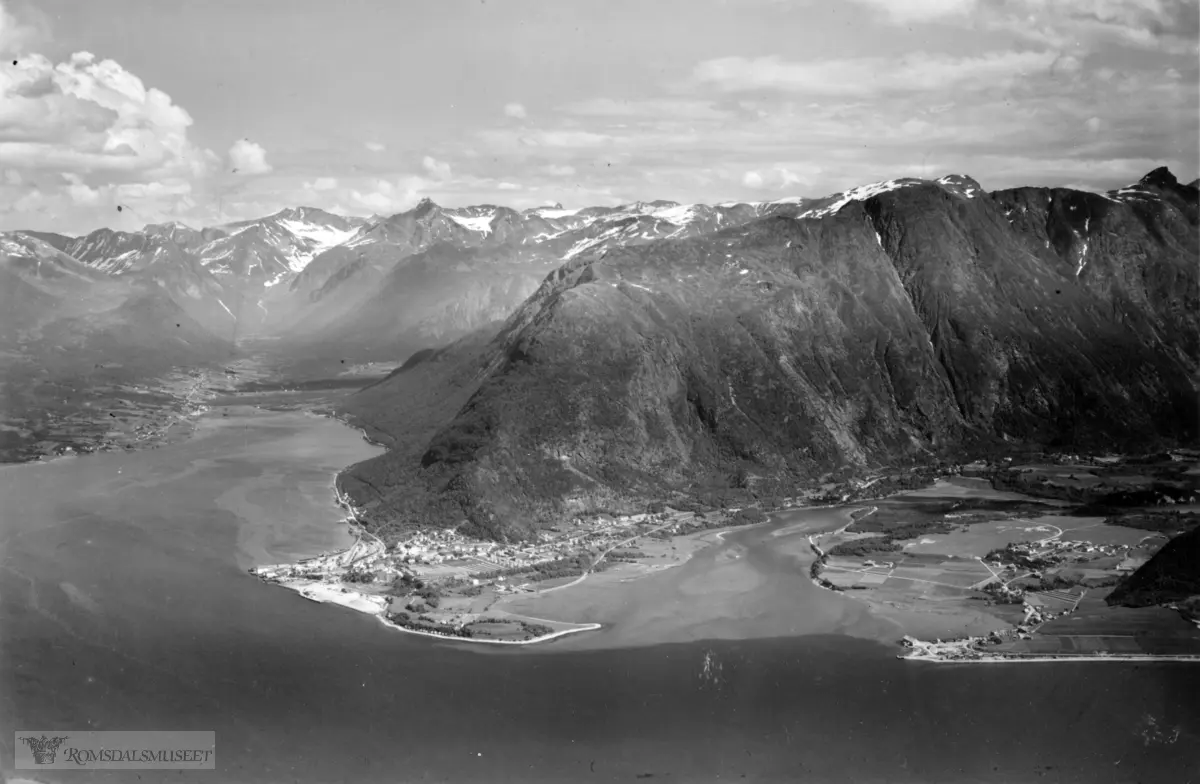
(197, 395)
(375, 605)
(590, 627)
(1049, 658)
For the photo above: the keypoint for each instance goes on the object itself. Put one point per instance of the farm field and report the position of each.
(962, 487)
(979, 539)
(919, 576)
(1097, 628)
(1096, 531)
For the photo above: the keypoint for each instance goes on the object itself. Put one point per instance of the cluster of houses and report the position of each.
(446, 546)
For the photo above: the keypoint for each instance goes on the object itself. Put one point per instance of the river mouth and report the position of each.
(125, 604)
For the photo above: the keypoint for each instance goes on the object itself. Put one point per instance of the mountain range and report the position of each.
(895, 323)
(569, 360)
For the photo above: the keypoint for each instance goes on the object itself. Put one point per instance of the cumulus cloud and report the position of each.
(78, 137)
(752, 179)
(323, 184)
(514, 110)
(387, 197)
(247, 158)
(438, 169)
(89, 115)
(375, 146)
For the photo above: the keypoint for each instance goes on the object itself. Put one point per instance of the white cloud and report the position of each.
(90, 118)
(437, 169)
(388, 197)
(515, 110)
(1166, 26)
(752, 179)
(375, 146)
(82, 194)
(247, 157)
(865, 76)
(905, 11)
(508, 186)
(84, 115)
(555, 170)
(323, 184)
(788, 178)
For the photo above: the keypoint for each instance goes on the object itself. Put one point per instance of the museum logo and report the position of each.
(116, 750)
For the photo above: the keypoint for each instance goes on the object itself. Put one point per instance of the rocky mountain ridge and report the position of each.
(895, 322)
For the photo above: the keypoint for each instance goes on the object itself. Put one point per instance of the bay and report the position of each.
(125, 604)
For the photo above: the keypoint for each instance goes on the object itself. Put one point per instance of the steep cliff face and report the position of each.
(903, 321)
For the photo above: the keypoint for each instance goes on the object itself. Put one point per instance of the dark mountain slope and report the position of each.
(1031, 349)
(913, 319)
(1173, 574)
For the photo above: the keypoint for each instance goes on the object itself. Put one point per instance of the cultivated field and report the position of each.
(981, 538)
(918, 576)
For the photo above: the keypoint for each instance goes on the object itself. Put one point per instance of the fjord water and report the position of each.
(125, 604)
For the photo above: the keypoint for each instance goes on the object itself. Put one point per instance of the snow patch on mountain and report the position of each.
(481, 223)
(680, 214)
(551, 213)
(961, 185)
(584, 245)
(860, 193)
(322, 237)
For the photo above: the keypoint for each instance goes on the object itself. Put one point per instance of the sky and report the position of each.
(208, 112)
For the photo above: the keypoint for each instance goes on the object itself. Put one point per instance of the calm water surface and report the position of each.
(124, 604)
